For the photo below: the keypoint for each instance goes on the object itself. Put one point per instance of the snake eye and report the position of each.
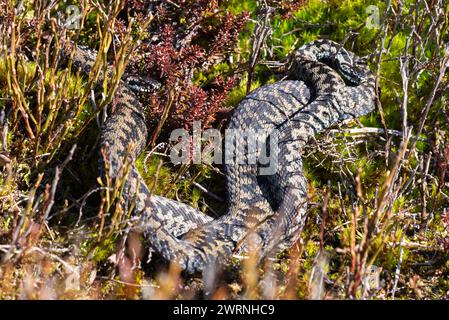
(350, 67)
(350, 73)
(347, 72)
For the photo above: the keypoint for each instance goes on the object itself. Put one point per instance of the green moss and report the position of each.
(104, 249)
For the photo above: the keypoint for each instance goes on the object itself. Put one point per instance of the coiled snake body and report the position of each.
(263, 210)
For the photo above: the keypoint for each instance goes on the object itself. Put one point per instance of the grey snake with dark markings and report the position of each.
(327, 85)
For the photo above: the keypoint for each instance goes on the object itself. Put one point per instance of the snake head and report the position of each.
(351, 67)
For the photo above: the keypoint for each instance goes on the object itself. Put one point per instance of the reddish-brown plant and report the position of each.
(176, 50)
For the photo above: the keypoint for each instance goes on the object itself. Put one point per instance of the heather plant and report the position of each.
(177, 55)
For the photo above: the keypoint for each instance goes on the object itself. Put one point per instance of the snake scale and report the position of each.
(267, 211)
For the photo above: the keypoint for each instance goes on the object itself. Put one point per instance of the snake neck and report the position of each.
(124, 134)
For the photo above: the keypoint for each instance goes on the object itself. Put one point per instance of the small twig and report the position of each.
(152, 151)
(367, 130)
(55, 182)
(443, 66)
(261, 32)
(207, 192)
(66, 265)
(87, 195)
(130, 284)
(398, 268)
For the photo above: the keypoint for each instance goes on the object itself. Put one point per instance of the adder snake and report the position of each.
(267, 210)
